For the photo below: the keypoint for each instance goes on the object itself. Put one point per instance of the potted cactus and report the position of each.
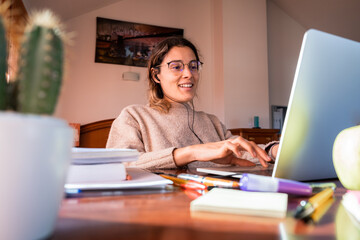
(35, 147)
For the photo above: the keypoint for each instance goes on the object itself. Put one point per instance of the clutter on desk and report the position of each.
(253, 182)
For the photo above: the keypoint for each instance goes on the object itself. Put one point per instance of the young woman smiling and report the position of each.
(168, 132)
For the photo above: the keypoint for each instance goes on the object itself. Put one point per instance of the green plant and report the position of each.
(40, 68)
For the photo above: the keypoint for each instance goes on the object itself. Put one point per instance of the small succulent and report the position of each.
(40, 68)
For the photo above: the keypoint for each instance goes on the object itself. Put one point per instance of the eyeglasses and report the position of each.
(177, 66)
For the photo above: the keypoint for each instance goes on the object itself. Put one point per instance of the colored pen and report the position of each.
(209, 181)
(187, 184)
(306, 208)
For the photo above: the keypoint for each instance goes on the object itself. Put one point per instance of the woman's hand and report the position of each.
(224, 152)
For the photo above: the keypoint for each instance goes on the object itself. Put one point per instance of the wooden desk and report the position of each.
(167, 216)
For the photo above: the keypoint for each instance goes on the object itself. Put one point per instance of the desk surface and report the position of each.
(167, 216)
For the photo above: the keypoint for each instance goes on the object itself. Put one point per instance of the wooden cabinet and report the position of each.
(257, 135)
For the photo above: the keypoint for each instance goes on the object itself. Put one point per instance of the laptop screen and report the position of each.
(324, 100)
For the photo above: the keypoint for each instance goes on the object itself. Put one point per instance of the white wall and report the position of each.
(231, 37)
(284, 43)
(245, 63)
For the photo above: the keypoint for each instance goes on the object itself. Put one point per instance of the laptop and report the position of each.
(324, 100)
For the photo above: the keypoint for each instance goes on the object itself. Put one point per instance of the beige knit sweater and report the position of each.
(155, 135)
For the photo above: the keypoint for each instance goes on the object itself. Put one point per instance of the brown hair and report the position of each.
(155, 92)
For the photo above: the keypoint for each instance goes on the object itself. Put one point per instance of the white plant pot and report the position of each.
(35, 154)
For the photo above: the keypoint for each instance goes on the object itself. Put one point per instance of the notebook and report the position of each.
(324, 100)
(103, 155)
(220, 200)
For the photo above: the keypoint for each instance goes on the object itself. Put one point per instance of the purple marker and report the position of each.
(252, 182)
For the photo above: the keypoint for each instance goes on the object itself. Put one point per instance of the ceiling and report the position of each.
(67, 9)
(340, 17)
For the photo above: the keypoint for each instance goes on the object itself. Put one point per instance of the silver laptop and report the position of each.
(325, 99)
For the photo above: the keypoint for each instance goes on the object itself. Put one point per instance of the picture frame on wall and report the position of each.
(128, 43)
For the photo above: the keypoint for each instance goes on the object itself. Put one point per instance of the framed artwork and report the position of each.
(128, 43)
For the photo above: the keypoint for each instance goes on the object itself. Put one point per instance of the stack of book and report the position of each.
(104, 169)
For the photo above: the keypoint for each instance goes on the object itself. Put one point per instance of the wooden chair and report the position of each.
(95, 134)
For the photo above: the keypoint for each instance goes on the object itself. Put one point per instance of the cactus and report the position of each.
(3, 66)
(40, 68)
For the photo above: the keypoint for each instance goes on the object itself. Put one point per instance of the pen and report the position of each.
(209, 181)
(187, 184)
(306, 208)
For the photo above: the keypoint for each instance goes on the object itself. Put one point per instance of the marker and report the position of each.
(252, 182)
(306, 208)
(258, 183)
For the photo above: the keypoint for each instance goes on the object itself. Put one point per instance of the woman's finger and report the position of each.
(245, 145)
(261, 155)
(228, 145)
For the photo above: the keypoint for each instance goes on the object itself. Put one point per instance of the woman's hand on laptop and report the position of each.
(230, 151)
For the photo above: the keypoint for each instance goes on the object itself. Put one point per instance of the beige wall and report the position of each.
(231, 37)
(284, 43)
(245, 63)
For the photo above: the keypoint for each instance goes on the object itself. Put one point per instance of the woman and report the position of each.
(168, 132)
